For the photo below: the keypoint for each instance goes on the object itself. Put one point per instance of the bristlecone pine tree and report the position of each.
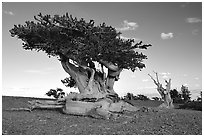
(79, 45)
(165, 93)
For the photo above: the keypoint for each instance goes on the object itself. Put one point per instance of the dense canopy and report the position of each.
(82, 42)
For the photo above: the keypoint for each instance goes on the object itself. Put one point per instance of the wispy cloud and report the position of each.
(42, 71)
(123, 37)
(197, 85)
(25, 91)
(185, 75)
(133, 76)
(126, 38)
(145, 80)
(9, 13)
(128, 26)
(165, 74)
(195, 32)
(147, 87)
(196, 78)
(167, 35)
(33, 71)
(183, 5)
(185, 84)
(193, 20)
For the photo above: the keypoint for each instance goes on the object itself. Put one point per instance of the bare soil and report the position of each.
(52, 122)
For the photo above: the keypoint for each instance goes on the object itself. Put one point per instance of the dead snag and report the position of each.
(165, 93)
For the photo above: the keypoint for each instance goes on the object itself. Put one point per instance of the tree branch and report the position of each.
(153, 79)
(157, 77)
(160, 89)
(104, 74)
(109, 65)
(89, 87)
(168, 85)
(69, 68)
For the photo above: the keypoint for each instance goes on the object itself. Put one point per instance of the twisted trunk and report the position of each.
(111, 78)
(167, 96)
(88, 87)
(92, 83)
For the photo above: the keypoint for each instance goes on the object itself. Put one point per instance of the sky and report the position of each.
(173, 28)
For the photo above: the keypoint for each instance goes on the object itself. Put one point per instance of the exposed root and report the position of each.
(20, 109)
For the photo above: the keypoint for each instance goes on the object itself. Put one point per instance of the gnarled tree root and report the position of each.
(104, 107)
(19, 109)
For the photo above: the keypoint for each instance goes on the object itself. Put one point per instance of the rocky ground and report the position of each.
(145, 122)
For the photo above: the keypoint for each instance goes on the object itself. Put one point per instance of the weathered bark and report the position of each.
(87, 85)
(111, 78)
(46, 104)
(103, 107)
(90, 83)
(165, 93)
(109, 65)
(168, 98)
(113, 75)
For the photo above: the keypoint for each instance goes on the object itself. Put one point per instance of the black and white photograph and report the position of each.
(101, 68)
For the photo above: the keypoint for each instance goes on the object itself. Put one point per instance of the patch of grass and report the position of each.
(194, 105)
(145, 103)
(53, 122)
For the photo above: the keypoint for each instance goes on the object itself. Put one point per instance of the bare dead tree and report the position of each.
(165, 93)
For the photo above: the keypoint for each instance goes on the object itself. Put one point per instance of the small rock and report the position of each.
(74, 125)
(125, 122)
(5, 132)
(42, 120)
(162, 126)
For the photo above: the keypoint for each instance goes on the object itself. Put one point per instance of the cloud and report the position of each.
(195, 32)
(128, 26)
(197, 85)
(185, 84)
(25, 91)
(43, 71)
(35, 71)
(148, 87)
(9, 13)
(145, 80)
(196, 78)
(167, 35)
(165, 74)
(133, 76)
(126, 38)
(184, 4)
(193, 20)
